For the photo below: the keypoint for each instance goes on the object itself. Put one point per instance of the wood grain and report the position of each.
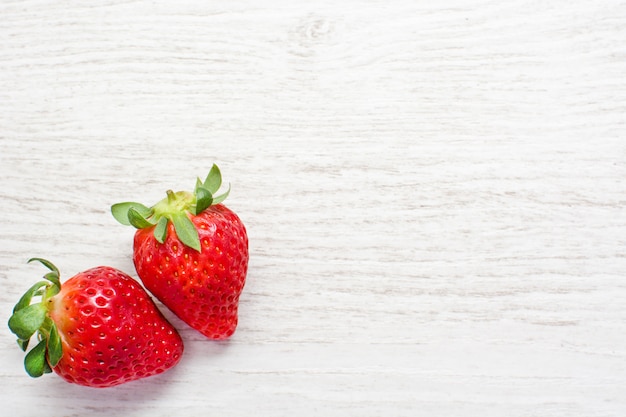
(434, 194)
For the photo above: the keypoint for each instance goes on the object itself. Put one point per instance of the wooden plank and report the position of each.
(434, 194)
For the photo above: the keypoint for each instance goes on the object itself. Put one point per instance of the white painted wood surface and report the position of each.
(434, 193)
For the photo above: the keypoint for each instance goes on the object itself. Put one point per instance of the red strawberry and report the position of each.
(191, 252)
(99, 329)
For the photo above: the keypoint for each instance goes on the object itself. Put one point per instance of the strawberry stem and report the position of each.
(171, 197)
(176, 207)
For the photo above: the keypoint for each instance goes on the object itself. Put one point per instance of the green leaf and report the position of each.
(46, 368)
(160, 231)
(213, 181)
(198, 184)
(52, 291)
(47, 264)
(186, 231)
(204, 199)
(120, 211)
(221, 197)
(25, 322)
(54, 278)
(35, 361)
(28, 296)
(137, 219)
(55, 348)
(23, 344)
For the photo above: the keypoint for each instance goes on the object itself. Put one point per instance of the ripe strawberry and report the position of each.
(191, 252)
(99, 329)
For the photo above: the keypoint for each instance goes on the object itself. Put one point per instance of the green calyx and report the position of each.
(31, 319)
(174, 208)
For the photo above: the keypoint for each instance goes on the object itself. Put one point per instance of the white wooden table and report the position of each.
(434, 194)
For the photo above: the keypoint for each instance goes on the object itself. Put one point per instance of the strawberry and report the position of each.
(191, 252)
(99, 329)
